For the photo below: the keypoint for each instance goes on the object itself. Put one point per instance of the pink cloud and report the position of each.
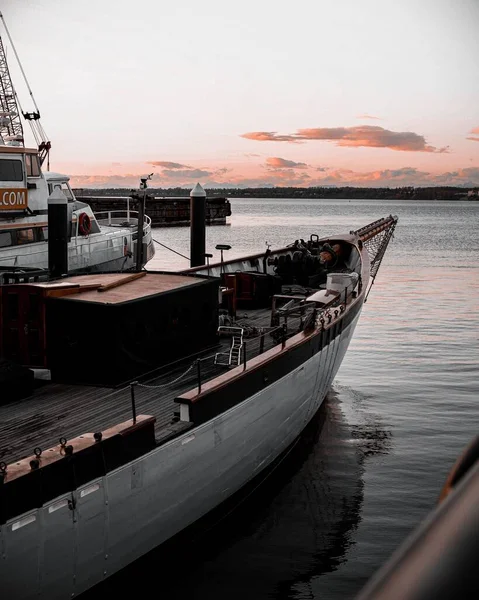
(475, 130)
(281, 163)
(184, 173)
(473, 139)
(369, 136)
(269, 136)
(244, 176)
(366, 116)
(165, 164)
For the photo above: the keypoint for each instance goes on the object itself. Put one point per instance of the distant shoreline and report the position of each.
(328, 193)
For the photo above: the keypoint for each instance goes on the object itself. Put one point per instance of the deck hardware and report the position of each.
(97, 436)
(330, 317)
(37, 452)
(133, 405)
(68, 450)
(198, 366)
(3, 471)
(63, 442)
(222, 247)
(336, 313)
(208, 256)
(34, 464)
(261, 344)
(283, 336)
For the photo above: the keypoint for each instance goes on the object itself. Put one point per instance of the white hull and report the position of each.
(98, 252)
(62, 551)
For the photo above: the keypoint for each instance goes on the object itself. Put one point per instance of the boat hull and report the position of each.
(78, 540)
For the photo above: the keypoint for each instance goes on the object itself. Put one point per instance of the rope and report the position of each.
(168, 248)
(143, 385)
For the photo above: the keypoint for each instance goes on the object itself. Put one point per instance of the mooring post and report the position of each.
(197, 226)
(57, 233)
(133, 405)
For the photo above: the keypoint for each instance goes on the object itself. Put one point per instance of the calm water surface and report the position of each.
(404, 404)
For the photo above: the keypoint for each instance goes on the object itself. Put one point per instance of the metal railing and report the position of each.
(122, 218)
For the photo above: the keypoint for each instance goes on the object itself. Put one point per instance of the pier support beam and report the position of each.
(198, 227)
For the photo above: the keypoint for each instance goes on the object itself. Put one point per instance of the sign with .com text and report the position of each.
(13, 198)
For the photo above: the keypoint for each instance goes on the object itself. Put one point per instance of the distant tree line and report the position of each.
(371, 193)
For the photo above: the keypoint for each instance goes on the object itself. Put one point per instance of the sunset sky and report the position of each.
(311, 92)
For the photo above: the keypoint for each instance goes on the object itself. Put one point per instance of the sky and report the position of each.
(256, 93)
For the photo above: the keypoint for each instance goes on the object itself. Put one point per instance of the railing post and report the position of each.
(244, 356)
(283, 340)
(198, 366)
(109, 217)
(261, 344)
(133, 406)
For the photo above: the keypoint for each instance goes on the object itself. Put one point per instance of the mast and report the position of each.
(10, 99)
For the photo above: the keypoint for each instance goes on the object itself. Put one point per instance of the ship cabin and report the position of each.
(24, 191)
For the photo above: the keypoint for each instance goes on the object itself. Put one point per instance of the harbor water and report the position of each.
(403, 406)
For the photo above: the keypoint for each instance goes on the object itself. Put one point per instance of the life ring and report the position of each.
(84, 223)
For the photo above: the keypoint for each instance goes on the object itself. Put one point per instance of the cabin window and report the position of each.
(5, 239)
(67, 191)
(25, 236)
(42, 234)
(32, 165)
(11, 170)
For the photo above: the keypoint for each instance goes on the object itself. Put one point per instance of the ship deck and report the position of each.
(62, 410)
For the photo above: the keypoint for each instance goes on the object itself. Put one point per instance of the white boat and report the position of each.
(98, 242)
(106, 485)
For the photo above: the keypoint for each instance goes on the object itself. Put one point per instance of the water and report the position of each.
(403, 406)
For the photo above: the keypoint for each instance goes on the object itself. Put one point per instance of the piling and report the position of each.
(57, 233)
(198, 227)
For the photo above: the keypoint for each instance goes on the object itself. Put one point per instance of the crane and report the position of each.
(11, 128)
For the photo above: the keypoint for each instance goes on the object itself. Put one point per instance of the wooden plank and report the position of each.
(113, 284)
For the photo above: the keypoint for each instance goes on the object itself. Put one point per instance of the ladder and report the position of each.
(233, 357)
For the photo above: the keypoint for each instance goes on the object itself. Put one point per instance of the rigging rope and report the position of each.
(168, 248)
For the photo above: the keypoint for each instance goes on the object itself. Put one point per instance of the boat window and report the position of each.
(67, 191)
(5, 239)
(11, 170)
(25, 236)
(43, 234)
(32, 165)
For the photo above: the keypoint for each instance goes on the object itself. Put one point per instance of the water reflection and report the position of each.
(297, 525)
